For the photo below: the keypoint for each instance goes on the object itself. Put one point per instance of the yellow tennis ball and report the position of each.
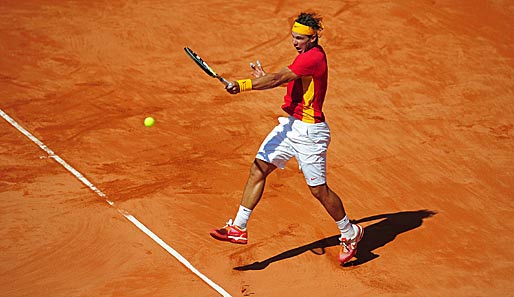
(149, 121)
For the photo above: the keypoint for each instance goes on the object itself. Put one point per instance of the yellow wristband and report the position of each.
(244, 85)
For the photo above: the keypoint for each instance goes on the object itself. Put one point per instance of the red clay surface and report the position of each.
(420, 103)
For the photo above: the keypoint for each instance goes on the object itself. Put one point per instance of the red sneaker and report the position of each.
(231, 233)
(349, 246)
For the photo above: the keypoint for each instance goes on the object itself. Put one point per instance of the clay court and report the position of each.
(420, 104)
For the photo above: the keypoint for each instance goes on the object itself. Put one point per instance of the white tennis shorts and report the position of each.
(308, 143)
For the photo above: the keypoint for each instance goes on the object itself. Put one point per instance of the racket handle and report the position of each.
(228, 84)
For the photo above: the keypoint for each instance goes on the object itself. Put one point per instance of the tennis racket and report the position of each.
(205, 67)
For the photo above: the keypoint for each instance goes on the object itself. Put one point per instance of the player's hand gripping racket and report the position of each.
(205, 67)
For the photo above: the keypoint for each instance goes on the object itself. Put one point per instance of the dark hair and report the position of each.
(310, 19)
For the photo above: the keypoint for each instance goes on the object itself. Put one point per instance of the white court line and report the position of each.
(127, 215)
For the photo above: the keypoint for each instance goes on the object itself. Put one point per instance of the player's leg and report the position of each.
(334, 206)
(255, 183)
(351, 234)
(330, 201)
(252, 193)
(236, 231)
(274, 152)
(312, 159)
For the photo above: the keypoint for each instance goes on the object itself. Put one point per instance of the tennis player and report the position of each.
(303, 134)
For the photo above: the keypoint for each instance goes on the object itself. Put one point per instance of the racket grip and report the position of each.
(228, 84)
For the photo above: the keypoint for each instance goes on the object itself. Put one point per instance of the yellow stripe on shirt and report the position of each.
(308, 98)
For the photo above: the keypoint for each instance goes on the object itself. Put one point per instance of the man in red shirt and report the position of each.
(304, 134)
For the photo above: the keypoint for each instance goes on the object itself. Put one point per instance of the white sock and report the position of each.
(346, 228)
(243, 214)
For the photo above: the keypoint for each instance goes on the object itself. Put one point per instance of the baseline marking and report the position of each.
(127, 215)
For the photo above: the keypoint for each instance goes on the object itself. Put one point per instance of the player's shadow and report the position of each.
(375, 236)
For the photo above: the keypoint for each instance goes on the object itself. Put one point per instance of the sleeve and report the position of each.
(303, 65)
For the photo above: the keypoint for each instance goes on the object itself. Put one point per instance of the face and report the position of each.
(303, 43)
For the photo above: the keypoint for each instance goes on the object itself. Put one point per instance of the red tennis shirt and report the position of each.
(305, 95)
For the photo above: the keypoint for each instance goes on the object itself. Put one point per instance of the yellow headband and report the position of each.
(302, 29)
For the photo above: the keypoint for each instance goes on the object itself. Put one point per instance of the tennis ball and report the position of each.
(149, 121)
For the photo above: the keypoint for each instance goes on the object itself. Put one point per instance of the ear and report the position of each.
(313, 38)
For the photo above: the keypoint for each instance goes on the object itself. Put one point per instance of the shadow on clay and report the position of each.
(375, 236)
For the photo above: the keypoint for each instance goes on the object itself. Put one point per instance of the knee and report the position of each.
(320, 192)
(256, 173)
(260, 170)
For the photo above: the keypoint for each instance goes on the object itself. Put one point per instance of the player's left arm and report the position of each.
(273, 80)
(267, 81)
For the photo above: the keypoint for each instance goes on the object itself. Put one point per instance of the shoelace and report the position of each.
(348, 244)
(229, 223)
